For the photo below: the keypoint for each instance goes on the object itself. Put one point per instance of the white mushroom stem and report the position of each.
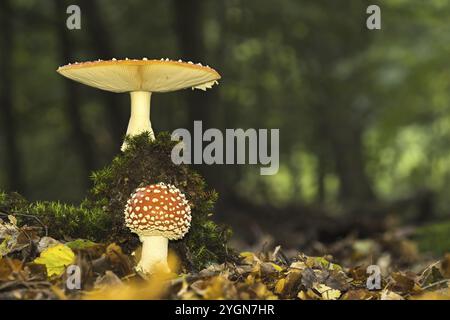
(154, 254)
(140, 115)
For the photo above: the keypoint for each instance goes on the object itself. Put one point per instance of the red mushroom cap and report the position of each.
(158, 210)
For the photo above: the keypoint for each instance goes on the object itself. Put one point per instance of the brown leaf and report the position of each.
(358, 273)
(9, 269)
(334, 279)
(291, 284)
(445, 266)
(402, 282)
(218, 287)
(308, 278)
(358, 294)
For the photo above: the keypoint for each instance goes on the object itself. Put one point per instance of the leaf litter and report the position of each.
(34, 266)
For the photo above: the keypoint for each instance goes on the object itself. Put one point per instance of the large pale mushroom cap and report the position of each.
(141, 75)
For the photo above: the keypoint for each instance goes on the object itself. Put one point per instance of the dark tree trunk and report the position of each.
(206, 106)
(11, 149)
(349, 160)
(338, 123)
(321, 173)
(189, 29)
(189, 19)
(339, 132)
(80, 139)
(103, 46)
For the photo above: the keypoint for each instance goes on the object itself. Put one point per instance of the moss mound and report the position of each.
(147, 162)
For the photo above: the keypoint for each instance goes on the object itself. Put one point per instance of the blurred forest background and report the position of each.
(364, 116)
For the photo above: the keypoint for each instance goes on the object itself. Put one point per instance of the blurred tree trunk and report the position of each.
(189, 23)
(189, 29)
(339, 133)
(321, 174)
(11, 150)
(79, 137)
(338, 117)
(350, 164)
(102, 43)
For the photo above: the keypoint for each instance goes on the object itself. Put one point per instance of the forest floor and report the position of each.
(35, 266)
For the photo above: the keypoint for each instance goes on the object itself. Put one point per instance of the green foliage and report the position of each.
(434, 238)
(147, 162)
(62, 220)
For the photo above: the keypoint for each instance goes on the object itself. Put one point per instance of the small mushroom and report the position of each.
(157, 213)
(141, 78)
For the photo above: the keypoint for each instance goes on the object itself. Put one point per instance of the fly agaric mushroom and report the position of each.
(141, 78)
(157, 213)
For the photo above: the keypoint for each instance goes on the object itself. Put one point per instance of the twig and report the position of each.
(3, 213)
(428, 270)
(8, 284)
(436, 284)
(187, 278)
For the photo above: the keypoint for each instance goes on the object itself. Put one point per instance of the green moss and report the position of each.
(434, 238)
(11, 200)
(62, 221)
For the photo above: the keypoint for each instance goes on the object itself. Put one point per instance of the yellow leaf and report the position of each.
(245, 254)
(249, 257)
(250, 280)
(327, 293)
(279, 286)
(276, 267)
(256, 269)
(308, 295)
(4, 250)
(148, 290)
(56, 259)
(297, 265)
(262, 292)
(219, 287)
(442, 294)
(12, 220)
(322, 262)
(114, 252)
(390, 295)
(302, 295)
